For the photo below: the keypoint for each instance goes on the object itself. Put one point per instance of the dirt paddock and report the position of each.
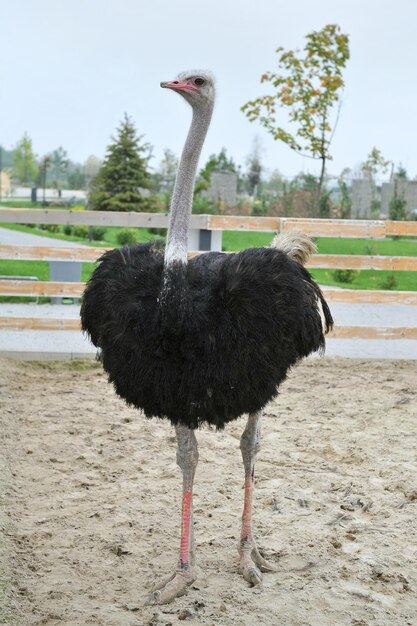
(91, 502)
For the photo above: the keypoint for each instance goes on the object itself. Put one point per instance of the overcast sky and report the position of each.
(70, 69)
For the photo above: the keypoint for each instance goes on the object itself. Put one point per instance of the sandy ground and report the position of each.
(92, 498)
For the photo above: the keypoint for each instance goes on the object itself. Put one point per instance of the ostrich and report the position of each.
(207, 340)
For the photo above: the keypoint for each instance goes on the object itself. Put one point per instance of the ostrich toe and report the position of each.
(252, 563)
(173, 587)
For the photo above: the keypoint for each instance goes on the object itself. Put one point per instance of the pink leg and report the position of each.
(185, 529)
(176, 585)
(251, 563)
(246, 533)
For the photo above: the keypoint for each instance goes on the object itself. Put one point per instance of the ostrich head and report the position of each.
(197, 87)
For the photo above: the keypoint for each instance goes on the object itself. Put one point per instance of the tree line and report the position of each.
(54, 170)
(124, 181)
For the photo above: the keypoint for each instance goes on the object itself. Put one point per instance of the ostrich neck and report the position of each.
(182, 197)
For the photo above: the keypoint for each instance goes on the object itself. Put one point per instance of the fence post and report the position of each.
(64, 271)
(204, 240)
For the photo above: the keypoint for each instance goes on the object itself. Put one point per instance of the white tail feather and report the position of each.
(297, 245)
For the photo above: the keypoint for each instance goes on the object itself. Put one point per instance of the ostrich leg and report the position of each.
(251, 563)
(176, 585)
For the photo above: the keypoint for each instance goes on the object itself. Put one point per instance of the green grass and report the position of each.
(40, 269)
(383, 247)
(142, 235)
(234, 241)
(27, 204)
(368, 279)
(21, 204)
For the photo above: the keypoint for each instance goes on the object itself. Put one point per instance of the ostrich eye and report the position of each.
(199, 81)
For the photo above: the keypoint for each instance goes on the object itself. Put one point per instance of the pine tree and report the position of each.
(58, 170)
(123, 172)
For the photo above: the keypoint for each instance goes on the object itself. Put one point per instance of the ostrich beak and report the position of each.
(176, 85)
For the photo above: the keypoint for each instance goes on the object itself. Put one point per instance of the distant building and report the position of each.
(223, 188)
(5, 184)
(406, 189)
(362, 196)
(25, 193)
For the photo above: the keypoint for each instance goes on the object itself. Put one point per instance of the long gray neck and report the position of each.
(182, 197)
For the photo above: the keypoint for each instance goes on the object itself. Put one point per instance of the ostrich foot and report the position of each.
(252, 563)
(172, 588)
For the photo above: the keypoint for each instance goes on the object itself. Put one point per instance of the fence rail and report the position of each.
(368, 229)
(372, 229)
(339, 332)
(51, 253)
(90, 254)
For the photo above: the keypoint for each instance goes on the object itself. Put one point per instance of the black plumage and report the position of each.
(210, 340)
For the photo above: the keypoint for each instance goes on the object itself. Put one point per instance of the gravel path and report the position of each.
(15, 237)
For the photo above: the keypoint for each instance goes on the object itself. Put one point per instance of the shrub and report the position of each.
(389, 282)
(201, 206)
(97, 233)
(259, 208)
(161, 232)
(50, 228)
(397, 207)
(80, 231)
(344, 276)
(371, 250)
(67, 229)
(375, 209)
(126, 236)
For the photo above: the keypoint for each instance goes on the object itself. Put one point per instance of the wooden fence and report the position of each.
(210, 223)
